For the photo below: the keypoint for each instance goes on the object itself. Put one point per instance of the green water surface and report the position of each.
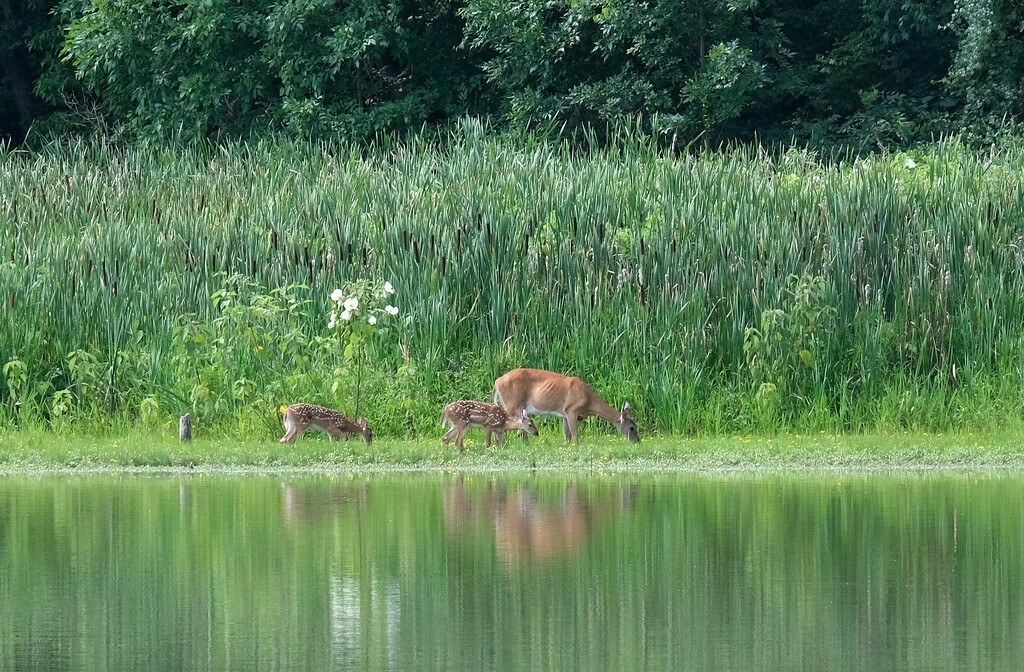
(114, 571)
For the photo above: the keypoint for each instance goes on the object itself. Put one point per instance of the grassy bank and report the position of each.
(718, 293)
(41, 451)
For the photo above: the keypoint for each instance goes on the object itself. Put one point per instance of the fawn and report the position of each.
(492, 419)
(300, 417)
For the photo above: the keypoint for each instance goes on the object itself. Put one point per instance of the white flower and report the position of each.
(372, 320)
(910, 163)
(334, 316)
(330, 325)
(336, 295)
(351, 304)
(391, 310)
(388, 288)
(345, 315)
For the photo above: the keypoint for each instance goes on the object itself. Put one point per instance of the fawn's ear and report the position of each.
(362, 422)
(625, 412)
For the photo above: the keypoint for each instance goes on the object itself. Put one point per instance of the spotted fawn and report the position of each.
(300, 417)
(463, 415)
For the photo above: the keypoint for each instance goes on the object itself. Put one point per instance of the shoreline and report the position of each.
(34, 452)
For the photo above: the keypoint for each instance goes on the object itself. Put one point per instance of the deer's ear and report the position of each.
(362, 422)
(625, 410)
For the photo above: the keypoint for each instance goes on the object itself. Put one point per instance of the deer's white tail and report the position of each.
(444, 420)
(497, 397)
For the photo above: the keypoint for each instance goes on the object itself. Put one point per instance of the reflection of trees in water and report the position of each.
(853, 565)
(526, 528)
(364, 597)
(685, 572)
(311, 504)
(362, 613)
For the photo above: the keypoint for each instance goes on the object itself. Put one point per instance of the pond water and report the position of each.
(534, 572)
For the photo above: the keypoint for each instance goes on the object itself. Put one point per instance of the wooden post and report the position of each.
(185, 428)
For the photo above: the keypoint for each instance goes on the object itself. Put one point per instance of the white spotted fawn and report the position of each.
(300, 417)
(492, 419)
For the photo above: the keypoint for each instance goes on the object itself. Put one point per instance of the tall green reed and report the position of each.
(641, 272)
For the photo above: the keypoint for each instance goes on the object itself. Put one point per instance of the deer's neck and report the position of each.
(602, 410)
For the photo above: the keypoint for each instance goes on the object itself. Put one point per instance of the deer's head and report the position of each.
(627, 426)
(528, 425)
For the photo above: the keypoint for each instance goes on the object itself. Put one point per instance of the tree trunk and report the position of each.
(185, 428)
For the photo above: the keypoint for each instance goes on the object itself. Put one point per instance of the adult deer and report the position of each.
(547, 393)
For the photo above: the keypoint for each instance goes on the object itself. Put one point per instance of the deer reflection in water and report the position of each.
(524, 527)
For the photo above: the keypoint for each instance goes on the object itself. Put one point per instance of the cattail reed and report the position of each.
(917, 275)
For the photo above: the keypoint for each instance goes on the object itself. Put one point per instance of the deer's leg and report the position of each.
(499, 436)
(487, 437)
(572, 431)
(565, 428)
(460, 438)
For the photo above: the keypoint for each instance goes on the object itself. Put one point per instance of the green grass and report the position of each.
(718, 293)
(42, 451)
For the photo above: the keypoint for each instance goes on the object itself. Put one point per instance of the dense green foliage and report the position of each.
(835, 72)
(720, 292)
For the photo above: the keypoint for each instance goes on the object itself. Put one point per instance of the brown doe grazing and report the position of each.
(300, 417)
(543, 392)
(492, 419)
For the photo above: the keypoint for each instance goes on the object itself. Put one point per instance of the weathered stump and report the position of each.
(185, 428)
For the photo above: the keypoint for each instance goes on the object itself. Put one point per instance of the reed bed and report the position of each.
(726, 291)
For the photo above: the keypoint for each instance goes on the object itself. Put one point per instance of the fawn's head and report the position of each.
(627, 426)
(365, 431)
(527, 423)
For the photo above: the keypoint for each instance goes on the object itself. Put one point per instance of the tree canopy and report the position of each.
(860, 73)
